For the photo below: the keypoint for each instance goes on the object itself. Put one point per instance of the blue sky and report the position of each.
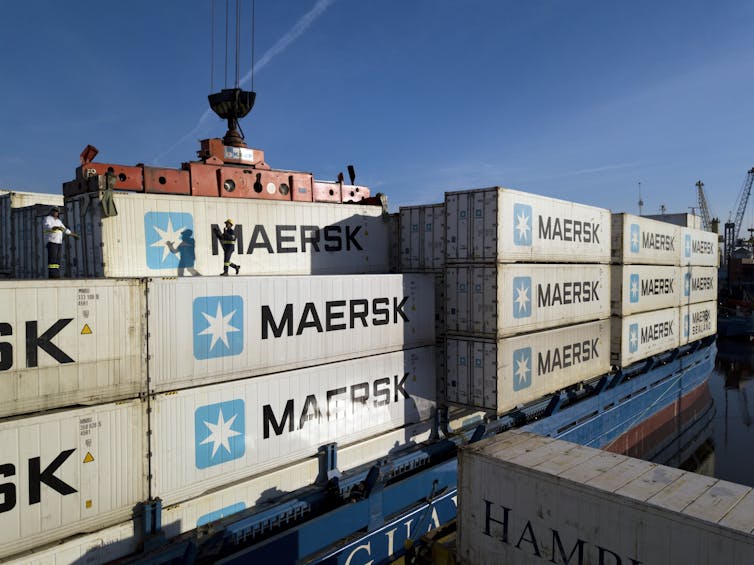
(580, 100)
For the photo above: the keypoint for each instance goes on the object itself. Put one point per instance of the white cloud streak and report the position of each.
(281, 45)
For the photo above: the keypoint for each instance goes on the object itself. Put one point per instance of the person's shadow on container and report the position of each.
(186, 251)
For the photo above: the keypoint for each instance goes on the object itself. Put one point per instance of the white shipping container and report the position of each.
(700, 248)
(422, 237)
(524, 498)
(698, 321)
(504, 225)
(270, 486)
(639, 288)
(699, 284)
(639, 336)
(70, 472)
(505, 300)
(210, 436)
(97, 548)
(237, 327)
(512, 371)
(169, 235)
(15, 199)
(637, 240)
(71, 342)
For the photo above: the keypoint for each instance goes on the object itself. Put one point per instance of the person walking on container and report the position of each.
(228, 241)
(53, 232)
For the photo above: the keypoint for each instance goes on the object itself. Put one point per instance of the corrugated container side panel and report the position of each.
(213, 435)
(699, 248)
(406, 248)
(476, 368)
(281, 323)
(537, 228)
(6, 241)
(97, 452)
(439, 305)
(458, 227)
(638, 240)
(457, 370)
(96, 349)
(394, 222)
(415, 237)
(483, 225)
(437, 249)
(103, 546)
(640, 336)
(698, 321)
(512, 488)
(699, 284)
(168, 235)
(640, 288)
(452, 211)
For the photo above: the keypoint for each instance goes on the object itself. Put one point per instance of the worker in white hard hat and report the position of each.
(53, 232)
(228, 241)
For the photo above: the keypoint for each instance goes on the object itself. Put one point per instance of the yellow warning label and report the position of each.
(86, 330)
(88, 458)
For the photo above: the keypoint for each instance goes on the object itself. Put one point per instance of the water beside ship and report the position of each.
(732, 387)
(719, 440)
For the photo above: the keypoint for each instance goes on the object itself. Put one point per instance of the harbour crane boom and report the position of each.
(703, 207)
(743, 200)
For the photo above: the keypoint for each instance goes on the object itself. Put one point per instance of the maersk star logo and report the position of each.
(522, 219)
(635, 238)
(687, 245)
(168, 237)
(686, 284)
(521, 297)
(218, 326)
(633, 338)
(633, 295)
(219, 433)
(521, 368)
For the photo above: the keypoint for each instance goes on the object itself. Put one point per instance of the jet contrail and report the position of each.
(281, 45)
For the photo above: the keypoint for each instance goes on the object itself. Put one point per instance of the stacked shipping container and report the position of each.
(661, 273)
(238, 376)
(526, 296)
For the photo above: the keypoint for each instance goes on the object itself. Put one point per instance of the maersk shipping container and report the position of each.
(504, 225)
(698, 321)
(524, 498)
(269, 487)
(500, 375)
(639, 336)
(69, 472)
(505, 300)
(700, 248)
(28, 243)
(422, 237)
(640, 288)
(210, 436)
(97, 548)
(637, 240)
(212, 329)
(71, 342)
(14, 199)
(699, 284)
(170, 235)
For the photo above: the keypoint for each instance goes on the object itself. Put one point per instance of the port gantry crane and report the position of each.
(732, 228)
